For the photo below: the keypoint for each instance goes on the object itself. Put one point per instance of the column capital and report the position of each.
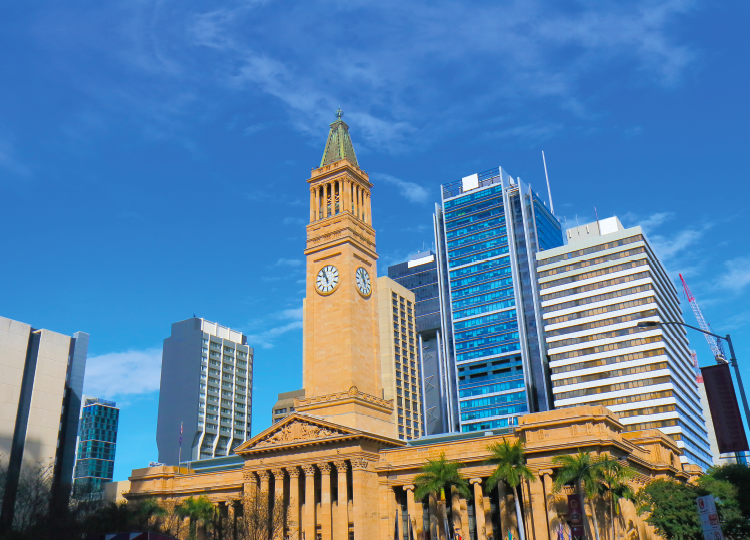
(263, 475)
(325, 468)
(248, 475)
(542, 472)
(475, 481)
(309, 469)
(409, 487)
(230, 502)
(293, 471)
(278, 473)
(341, 465)
(359, 463)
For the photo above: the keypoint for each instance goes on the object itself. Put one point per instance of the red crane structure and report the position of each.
(713, 342)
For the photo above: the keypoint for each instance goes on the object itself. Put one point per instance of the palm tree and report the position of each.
(581, 470)
(614, 476)
(199, 510)
(438, 475)
(510, 467)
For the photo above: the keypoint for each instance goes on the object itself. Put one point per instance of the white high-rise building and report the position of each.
(593, 293)
(206, 392)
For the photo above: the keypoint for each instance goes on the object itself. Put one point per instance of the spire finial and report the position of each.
(339, 113)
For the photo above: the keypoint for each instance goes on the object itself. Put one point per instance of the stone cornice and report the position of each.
(353, 395)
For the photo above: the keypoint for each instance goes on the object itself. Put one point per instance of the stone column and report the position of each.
(341, 516)
(368, 209)
(363, 528)
(325, 500)
(356, 201)
(479, 508)
(528, 515)
(292, 513)
(249, 484)
(549, 499)
(263, 475)
(230, 517)
(411, 509)
(278, 498)
(455, 510)
(436, 523)
(312, 205)
(388, 511)
(308, 523)
(507, 510)
(489, 526)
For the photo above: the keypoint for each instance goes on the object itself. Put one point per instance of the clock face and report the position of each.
(327, 279)
(363, 282)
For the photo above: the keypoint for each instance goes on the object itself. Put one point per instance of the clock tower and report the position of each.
(341, 329)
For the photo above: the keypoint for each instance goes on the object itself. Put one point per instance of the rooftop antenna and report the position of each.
(597, 222)
(549, 191)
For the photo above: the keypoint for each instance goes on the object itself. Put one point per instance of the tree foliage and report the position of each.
(439, 475)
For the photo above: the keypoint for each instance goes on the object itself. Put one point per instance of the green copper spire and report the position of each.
(339, 144)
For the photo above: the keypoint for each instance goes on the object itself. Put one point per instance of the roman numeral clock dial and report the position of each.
(363, 282)
(327, 280)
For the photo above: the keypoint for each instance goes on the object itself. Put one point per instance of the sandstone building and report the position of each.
(337, 462)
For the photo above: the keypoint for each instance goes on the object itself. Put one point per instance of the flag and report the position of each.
(560, 534)
(445, 525)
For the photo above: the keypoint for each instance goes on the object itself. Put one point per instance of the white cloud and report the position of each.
(293, 263)
(123, 373)
(409, 190)
(737, 274)
(266, 338)
(668, 248)
(648, 223)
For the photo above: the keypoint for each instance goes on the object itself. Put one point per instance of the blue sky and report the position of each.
(153, 154)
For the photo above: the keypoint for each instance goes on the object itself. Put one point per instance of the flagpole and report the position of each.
(179, 459)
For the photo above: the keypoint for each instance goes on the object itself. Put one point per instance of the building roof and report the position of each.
(339, 144)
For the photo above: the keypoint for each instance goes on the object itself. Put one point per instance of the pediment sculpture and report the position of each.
(297, 431)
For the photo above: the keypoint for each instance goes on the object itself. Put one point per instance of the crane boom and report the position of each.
(713, 342)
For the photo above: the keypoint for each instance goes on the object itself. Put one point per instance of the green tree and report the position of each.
(579, 470)
(672, 509)
(510, 467)
(738, 476)
(614, 478)
(199, 510)
(435, 477)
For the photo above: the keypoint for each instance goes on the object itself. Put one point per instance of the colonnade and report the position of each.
(541, 520)
(343, 195)
(312, 509)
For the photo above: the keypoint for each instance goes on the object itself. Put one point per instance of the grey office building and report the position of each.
(420, 275)
(205, 400)
(41, 384)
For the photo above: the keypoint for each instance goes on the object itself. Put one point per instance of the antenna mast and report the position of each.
(549, 191)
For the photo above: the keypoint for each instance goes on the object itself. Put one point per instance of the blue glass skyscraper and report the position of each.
(488, 228)
(97, 440)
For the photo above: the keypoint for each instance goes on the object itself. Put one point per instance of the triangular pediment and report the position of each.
(296, 429)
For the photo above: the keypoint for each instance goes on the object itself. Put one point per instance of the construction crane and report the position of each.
(713, 342)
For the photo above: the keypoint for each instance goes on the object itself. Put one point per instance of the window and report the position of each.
(280, 411)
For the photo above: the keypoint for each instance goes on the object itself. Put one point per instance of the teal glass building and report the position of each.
(488, 229)
(97, 440)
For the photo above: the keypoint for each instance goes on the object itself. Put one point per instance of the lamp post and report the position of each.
(732, 359)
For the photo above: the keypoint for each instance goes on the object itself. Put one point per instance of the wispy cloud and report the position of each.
(503, 57)
(266, 339)
(409, 190)
(292, 263)
(123, 373)
(736, 275)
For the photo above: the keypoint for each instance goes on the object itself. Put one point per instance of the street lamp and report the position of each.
(732, 359)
